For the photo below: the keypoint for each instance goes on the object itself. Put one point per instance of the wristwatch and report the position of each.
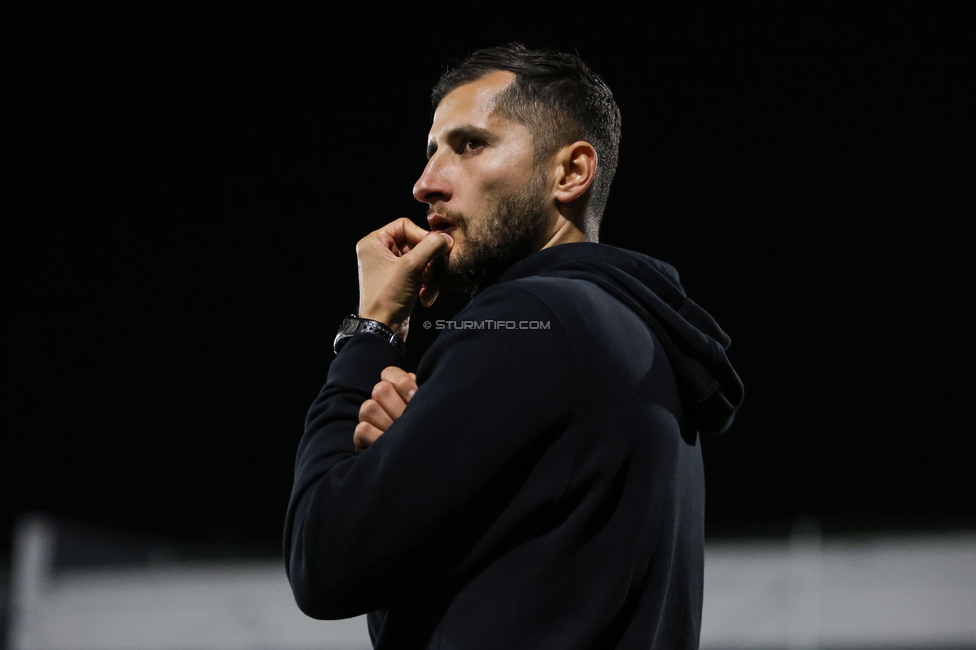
(353, 324)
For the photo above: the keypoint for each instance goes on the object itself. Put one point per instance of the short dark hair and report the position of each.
(558, 98)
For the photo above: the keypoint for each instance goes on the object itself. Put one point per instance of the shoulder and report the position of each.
(603, 338)
(538, 294)
(507, 327)
(577, 304)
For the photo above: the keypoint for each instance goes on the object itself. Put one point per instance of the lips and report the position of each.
(437, 222)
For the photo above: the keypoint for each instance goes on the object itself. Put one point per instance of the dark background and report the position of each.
(183, 189)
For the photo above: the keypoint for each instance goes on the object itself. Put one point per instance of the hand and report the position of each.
(390, 397)
(395, 265)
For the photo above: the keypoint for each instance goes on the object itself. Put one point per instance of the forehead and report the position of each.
(471, 103)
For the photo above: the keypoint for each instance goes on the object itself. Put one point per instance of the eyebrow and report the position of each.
(459, 132)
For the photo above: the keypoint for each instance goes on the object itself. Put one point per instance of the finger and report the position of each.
(413, 235)
(428, 294)
(389, 399)
(365, 435)
(372, 413)
(430, 286)
(405, 383)
(379, 241)
(405, 232)
(435, 244)
(393, 374)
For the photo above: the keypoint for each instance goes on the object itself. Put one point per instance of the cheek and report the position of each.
(508, 169)
(499, 182)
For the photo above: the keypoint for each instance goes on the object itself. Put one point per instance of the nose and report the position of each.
(433, 185)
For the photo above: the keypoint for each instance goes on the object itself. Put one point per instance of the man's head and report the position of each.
(512, 158)
(558, 99)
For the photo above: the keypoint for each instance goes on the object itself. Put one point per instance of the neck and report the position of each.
(565, 232)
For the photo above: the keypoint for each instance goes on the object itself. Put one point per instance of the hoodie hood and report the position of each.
(711, 391)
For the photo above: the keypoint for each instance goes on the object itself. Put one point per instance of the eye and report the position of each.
(473, 144)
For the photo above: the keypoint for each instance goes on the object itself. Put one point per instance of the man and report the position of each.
(538, 483)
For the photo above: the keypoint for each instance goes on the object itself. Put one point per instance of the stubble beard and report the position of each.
(511, 230)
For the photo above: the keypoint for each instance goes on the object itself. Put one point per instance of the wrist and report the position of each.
(353, 324)
(381, 317)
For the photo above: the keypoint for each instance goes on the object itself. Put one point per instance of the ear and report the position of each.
(575, 168)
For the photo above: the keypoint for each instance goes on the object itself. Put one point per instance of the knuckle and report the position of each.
(369, 406)
(374, 415)
(391, 373)
(365, 432)
(374, 412)
(405, 383)
(382, 389)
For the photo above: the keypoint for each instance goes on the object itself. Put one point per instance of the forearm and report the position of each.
(325, 453)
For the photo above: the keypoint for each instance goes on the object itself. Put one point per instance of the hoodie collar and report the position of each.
(555, 256)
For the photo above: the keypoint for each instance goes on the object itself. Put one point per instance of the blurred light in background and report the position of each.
(804, 593)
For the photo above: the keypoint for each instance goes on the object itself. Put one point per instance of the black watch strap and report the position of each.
(353, 324)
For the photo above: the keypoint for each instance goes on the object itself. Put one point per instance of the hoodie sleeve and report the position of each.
(366, 531)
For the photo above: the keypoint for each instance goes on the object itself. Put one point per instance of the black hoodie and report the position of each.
(544, 486)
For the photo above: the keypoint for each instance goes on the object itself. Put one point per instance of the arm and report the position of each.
(407, 515)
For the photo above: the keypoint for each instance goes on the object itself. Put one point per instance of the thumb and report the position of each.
(433, 245)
